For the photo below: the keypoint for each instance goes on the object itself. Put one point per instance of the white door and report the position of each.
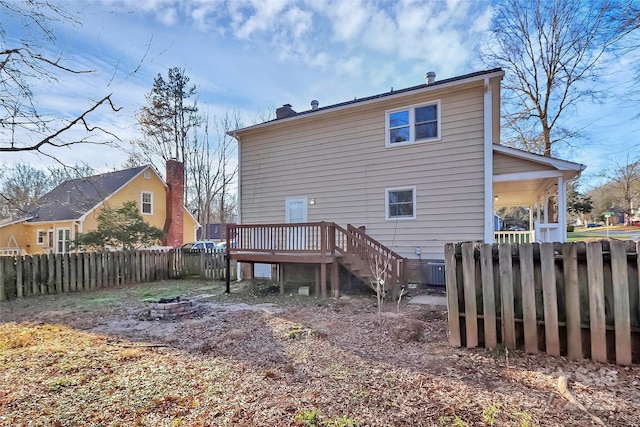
(296, 212)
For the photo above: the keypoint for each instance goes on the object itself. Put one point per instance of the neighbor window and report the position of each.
(147, 202)
(41, 235)
(401, 203)
(63, 240)
(419, 123)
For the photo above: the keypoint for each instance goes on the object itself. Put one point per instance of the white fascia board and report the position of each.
(550, 161)
(523, 176)
(16, 221)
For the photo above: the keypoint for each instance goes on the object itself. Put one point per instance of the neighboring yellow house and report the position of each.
(73, 206)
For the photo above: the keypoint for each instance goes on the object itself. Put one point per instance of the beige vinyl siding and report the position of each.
(508, 164)
(340, 159)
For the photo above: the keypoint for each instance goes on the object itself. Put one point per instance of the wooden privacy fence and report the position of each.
(579, 299)
(22, 276)
(206, 264)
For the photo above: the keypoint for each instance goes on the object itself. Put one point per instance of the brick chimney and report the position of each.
(173, 226)
(285, 111)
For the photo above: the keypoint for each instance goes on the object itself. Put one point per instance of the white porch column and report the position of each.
(545, 220)
(488, 163)
(562, 209)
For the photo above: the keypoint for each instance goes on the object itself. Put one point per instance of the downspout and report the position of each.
(488, 163)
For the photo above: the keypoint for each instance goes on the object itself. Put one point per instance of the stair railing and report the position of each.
(384, 264)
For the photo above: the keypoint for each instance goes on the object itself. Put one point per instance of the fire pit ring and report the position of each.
(172, 308)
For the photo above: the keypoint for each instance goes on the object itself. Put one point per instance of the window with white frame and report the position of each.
(64, 237)
(146, 204)
(417, 123)
(400, 203)
(40, 235)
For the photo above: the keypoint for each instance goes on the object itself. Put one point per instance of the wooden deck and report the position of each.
(325, 244)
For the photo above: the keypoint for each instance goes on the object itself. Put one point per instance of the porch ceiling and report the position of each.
(522, 193)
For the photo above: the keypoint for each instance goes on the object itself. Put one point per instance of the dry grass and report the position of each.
(66, 362)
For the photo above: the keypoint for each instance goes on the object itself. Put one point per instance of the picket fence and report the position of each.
(22, 276)
(576, 299)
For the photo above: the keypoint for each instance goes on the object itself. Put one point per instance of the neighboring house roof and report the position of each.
(373, 98)
(74, 198)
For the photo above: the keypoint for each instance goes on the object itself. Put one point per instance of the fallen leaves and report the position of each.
(247, 364)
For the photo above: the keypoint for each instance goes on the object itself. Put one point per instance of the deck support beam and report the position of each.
(323, 279)
(335, 279)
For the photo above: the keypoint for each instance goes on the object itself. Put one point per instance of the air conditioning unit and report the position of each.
(435, 273)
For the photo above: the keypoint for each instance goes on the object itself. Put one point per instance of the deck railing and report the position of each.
(527, 236)
(326, 239)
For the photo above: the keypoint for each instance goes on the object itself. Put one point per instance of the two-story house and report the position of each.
(413, 168)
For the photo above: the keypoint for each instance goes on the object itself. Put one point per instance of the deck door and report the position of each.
(296, 212)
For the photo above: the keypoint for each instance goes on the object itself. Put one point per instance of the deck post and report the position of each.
(228, 259)
(335, 279)
(323, 279)
(317, 281)
(281, 278)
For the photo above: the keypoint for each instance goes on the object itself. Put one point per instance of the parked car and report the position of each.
(199, 246)
(223, 245)
(594, 224)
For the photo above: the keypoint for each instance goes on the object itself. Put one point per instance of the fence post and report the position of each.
(19, 277)
(51, 279)
(3, 293)
(59, 287)
(488, 297)
(621, 307)
(530, 322)
(453, 312)
(597, 320)
(572, 298)
(469, 285)
(507, 313)
(66, 276)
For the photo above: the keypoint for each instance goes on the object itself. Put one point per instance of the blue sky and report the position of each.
(251, 55)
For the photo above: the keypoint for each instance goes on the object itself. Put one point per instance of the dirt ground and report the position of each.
(255, 358)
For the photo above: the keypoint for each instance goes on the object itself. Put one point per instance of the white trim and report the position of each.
(142, 203)
(44, 235)
(488, 163)
(305, 212)
(411, 110)
(376, 99)
(239, 180)
(549, 161)
(16, 221)
(386, 203)
(56, 234)
(523, 176)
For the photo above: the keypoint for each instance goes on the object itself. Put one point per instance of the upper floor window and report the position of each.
(147, 202)
(401, 203)
(418, 123)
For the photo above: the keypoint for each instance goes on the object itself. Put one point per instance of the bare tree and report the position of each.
(624, 180)
(21, 185)
(24, 60)
(213, 171)
(552, 52)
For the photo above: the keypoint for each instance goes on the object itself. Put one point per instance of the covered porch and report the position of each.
(529, 180)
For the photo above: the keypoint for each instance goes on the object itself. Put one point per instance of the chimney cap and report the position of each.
(314, 104)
